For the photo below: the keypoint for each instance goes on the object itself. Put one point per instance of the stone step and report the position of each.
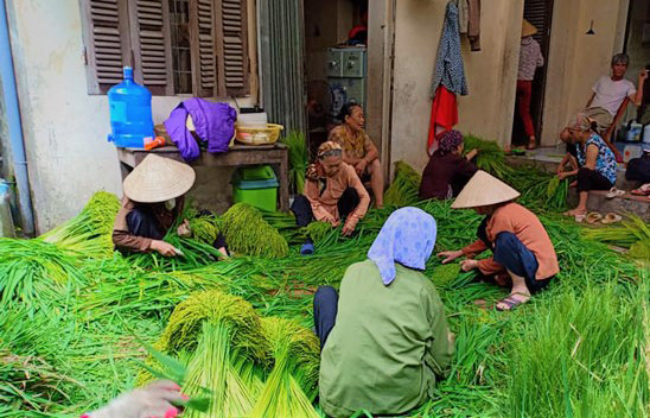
(626, 204)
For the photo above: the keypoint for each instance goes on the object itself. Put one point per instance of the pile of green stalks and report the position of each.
(89, 233)
(490, 158)
(298, 160)
(575, 349)
(248, 233)
(405, 188)
(633, 234)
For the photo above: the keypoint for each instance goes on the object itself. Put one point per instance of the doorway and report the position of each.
(637, 46)
(335, 62)
(539, 13)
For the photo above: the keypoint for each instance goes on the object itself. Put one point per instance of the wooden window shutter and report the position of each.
(151, 45)
(106, 41)
(203, 48)
(233, 48)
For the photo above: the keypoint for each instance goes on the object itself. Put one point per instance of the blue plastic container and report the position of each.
(130, 110)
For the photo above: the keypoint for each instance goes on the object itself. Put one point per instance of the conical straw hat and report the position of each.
(527, 29)
(157, 179)
(484, 190)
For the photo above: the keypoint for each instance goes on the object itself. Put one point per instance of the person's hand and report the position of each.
(155, 400)
(450, 256)
(349, 226)
(329, 219)
(360, 167)
(562, 175)
(468, 265)
(184, 230)
(473, 153)
(643, 75)
(163, 248)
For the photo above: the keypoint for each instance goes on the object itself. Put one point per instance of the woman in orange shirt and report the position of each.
(522, 250)
(333, 193)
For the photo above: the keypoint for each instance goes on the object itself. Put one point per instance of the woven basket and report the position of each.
(258, 136)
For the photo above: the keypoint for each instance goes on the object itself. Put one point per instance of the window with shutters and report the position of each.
(188, 47)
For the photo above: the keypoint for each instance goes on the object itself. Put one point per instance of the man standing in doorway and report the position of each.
(610, 97)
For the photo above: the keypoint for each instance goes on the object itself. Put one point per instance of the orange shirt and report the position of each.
(518, 220)
(326, 202)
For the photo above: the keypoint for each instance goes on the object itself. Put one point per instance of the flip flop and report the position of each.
(511, 302)
(579, 218)
(614, 193)
(642, 191)
(593, 217)
(612, 218)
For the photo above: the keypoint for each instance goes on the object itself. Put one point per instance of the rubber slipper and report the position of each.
(612, 218)
(614, 193)
(642, 191)
(511, 302)
(593, 217)
(307, 248)
(579, 218)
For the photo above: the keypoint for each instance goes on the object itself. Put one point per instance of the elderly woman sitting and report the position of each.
(385, 340)
(447, 171)
(522, 250)
(333, 192)
(597, 162)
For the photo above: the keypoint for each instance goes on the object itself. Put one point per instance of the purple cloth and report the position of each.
(214, 123)
(407, 237)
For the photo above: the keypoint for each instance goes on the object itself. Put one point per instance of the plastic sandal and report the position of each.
(612, 218)
(614, 192)
(593, 217)
(642, 191)
(579, 218)
(512, 302)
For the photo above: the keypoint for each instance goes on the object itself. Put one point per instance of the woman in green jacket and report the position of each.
(385, 340)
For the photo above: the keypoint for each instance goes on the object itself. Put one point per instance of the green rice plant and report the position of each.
(218, 331)
(89, 233)
(583, 353)
(36, 274)
(291, 385)
(624, 234)
(490, 158)
(298, 159)
(640, 250)
(248, 233)
(205, 228)
(405, 188)
(444, 274)
(317, 231)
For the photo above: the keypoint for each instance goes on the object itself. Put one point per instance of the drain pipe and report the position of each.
(14, 125)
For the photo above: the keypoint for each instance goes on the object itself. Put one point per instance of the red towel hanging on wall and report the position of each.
(444, 113)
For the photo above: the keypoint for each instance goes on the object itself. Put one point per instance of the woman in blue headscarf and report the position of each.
(384, 340)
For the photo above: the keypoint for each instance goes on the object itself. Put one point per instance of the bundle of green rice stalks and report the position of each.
(89, 233)
(248, 233)
(405, 188)
(556, 193)
(291, 386)
(625, 234)
(205, 228)
(640, 250)
(298, 159)
(317, 231)
(444, 274)
(490, 157)
(35, 273)
(223, 338)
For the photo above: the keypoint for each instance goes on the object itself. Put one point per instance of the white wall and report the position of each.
(65, 129)
(491, 74)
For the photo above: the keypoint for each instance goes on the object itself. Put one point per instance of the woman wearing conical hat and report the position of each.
(522, 251)
(152, 203)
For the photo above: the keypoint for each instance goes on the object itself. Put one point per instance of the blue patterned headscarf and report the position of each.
(407, 237)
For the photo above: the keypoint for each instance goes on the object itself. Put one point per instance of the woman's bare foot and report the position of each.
(575, 212)
(532, 143)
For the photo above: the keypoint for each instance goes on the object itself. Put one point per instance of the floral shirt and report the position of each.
(355, 145)
(606, 162)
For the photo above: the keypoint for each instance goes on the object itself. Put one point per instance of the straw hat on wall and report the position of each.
(527, 29)
(484, 190)
(157, 179)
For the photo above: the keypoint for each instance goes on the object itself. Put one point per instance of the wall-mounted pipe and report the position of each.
(17, 144)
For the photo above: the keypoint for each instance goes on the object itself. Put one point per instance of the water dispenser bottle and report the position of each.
(130, 110)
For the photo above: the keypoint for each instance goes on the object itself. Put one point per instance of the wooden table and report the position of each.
(239, 155)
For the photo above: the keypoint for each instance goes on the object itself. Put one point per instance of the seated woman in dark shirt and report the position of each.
(447, 171)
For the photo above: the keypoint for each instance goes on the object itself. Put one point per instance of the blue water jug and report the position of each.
(130, 110)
